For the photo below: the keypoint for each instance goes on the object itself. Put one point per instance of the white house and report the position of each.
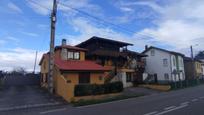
(163, 65)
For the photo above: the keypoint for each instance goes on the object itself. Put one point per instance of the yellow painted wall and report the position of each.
(96, 78)
(64, 89)
(82, 56)
(198, 68)
(72, 77)
(65, 84)
(44, 67)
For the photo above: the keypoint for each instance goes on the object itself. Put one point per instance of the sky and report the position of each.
(168, 24)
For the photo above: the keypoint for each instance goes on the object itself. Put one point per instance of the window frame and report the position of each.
(75, 55)
(165, 62)
(152, 52)
(166, 76)
(128, 77)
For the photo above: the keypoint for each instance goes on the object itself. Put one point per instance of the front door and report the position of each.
(84, 78)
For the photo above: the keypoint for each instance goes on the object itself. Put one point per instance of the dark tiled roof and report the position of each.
(71, 47)
(128, 52)
(200, 55)
(95, 38)
(172, 52)
(106, 53)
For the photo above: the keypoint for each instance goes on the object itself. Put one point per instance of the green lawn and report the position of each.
(91, 102)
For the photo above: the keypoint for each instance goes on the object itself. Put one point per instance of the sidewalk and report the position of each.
(139, 90)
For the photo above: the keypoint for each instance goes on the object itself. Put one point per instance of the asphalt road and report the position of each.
(189, 101)
(24, 97)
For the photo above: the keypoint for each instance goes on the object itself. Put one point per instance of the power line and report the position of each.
(34, 2)
(101, 21)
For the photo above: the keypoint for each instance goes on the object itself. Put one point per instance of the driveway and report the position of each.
(22, 97)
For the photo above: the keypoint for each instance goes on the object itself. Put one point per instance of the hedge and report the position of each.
(95, 89)
(186, 83)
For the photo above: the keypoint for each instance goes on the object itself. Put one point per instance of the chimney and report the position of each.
(146, 47)
(64, 42)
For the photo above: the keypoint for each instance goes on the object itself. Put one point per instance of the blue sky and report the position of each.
(169, 24)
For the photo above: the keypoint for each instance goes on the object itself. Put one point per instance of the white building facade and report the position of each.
(164, 65)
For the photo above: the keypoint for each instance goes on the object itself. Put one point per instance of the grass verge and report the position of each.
(109, 99)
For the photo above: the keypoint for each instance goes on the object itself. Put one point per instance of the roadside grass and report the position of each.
(105, 100)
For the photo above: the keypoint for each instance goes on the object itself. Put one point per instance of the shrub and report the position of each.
(94, 89)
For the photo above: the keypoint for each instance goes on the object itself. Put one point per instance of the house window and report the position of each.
(180, 62)
(84, 78)
(144, 61)
(174, 61)
(76, 55)
(166, 76)
(152, 52)
(70, 55)
(165, 62)
(128, 77)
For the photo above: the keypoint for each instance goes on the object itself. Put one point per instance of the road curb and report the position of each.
(29, 106)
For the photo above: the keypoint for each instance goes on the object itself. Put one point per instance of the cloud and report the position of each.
(19, 57)
(8, 40)
(180, 25)
(87, 29)
(2, 42)
(29, 34)
(44, 7)
(14, 7)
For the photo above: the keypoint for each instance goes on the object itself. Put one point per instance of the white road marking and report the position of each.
(105, 103)
(117, 101)
(151, 113)
(53, 110)
(201, 97)
(184, 103)
(167, 111)
(28, 106)
(193, 100)
(171, 107)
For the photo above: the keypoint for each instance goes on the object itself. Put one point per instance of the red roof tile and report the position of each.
(77, 65)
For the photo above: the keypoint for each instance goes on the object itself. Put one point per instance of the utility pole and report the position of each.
(191, 52)
(52, 46)
(36, 54)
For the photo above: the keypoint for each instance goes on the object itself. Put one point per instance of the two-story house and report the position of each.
(193, 68)
(126, 65)
(70, 68)
(163, 65)
(200, 56)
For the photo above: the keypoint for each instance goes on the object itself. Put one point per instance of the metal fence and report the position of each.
(186, 83)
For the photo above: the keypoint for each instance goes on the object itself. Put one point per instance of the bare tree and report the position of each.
(18, 71)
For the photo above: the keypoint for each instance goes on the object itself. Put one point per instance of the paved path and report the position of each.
(23, 97)
(139, 90)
